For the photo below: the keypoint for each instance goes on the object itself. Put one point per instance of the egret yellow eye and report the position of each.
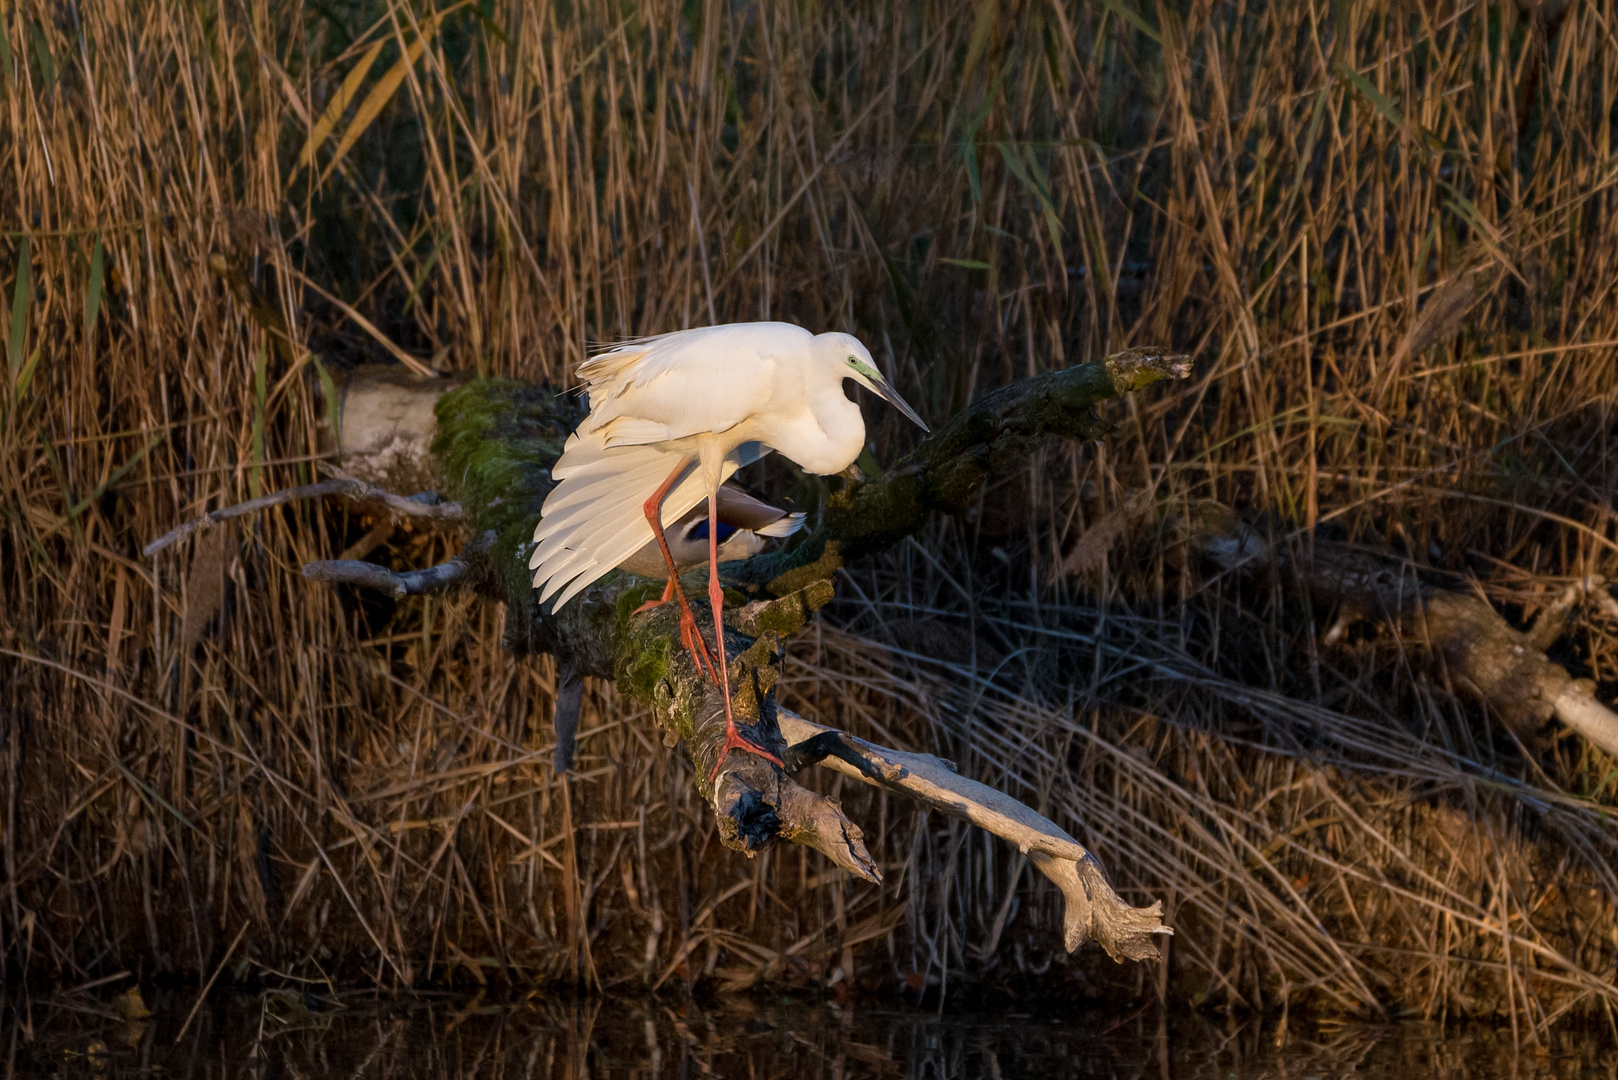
(864, 370)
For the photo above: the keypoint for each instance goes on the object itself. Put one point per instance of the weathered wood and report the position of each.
(1094, 910)
(381, 426)
(454, 573)
(425, 506)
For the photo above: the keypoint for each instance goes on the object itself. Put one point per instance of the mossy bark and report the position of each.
(494, 446)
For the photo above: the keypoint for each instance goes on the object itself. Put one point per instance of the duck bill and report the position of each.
(891, 396)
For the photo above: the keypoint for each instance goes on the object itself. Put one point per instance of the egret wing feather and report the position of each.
(603, 521)
(629, 431)
(642, 360)
(580, 494)
(599, 542)
(704, 380)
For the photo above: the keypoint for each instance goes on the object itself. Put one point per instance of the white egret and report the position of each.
(671, 418)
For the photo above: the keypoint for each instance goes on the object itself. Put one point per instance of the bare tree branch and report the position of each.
(1578, 708)
(1504, 668)
(818, 822)
(422, 507)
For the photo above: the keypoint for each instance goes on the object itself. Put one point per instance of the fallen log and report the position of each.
(1460, 634)
(490, 448)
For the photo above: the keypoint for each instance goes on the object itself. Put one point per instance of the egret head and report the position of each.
(857, 364)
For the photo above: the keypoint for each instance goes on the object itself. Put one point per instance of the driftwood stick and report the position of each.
(422, 507)
(818, 822)
(1094, 909)
(1578, 709)
(433, 579)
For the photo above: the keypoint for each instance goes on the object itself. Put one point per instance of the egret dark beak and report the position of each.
(891, 396)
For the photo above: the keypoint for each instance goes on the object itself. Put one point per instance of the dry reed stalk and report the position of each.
(367, 784)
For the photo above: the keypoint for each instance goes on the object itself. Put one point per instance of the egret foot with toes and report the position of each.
(716, 601)
(734, 740)
(653, 605)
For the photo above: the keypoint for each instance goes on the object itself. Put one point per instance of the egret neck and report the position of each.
(831, 436)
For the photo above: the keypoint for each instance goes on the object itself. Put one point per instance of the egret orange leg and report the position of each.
(689, 636)
(716, 601)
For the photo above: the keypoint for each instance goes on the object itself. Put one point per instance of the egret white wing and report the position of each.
(693, 382)
(594, 518)
(638, 362)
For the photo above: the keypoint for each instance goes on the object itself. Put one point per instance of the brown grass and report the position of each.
(205, 741)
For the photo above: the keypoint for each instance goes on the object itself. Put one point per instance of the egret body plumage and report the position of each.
(671, 418)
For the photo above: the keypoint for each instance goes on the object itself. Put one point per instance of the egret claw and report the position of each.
(691, 640)
(668, 594)
(735, 741)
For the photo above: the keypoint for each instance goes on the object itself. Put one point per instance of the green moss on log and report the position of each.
(495, 443)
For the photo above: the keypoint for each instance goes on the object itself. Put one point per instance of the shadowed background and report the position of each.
(1385, 230)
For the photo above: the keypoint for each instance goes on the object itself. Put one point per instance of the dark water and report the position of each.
(276, 1035)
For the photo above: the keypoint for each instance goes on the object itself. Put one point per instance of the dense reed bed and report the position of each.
(1386, 229)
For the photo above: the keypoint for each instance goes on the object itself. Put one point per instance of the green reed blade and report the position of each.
(20, 299)
(92, 295)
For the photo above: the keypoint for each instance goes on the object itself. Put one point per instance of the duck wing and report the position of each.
(743, 511)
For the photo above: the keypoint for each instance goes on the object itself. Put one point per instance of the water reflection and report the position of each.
(279, 1035)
